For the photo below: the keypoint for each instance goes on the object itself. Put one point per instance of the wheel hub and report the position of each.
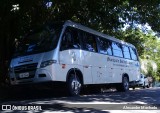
(76, 85)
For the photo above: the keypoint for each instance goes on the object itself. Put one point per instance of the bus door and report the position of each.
(72, 55)
(87, 69)
(91, 60)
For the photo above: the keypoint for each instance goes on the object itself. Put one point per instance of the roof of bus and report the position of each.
(84, 28)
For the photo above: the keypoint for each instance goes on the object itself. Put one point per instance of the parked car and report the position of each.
(157, 85)
(143, 82)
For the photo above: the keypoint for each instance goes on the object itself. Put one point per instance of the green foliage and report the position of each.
(152, 53)
(150, 70)
(101, 15)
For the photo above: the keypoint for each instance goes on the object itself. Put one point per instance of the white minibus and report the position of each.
(75, 55)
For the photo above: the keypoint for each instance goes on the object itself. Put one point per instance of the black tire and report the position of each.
(133, 87)
(124, 86)
(144, 86)
(74, 85)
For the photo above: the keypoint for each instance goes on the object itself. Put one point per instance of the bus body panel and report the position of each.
(77, 59)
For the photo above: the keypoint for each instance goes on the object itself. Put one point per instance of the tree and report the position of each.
(17, 17)
(152, 54)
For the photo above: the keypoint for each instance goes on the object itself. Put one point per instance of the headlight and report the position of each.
(47, 63)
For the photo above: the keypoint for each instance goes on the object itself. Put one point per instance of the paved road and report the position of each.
(144, 100)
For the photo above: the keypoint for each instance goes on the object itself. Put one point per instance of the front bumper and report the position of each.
(134, 83)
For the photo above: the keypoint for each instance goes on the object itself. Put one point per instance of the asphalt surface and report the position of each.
(108, 101)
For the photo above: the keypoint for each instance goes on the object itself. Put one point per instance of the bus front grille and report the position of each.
(28, 68)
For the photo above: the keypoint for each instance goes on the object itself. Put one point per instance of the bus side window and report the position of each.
(117, 49)
(126, 52)
(104, 46)
(133, 54)
(70, 39)
(89, 42)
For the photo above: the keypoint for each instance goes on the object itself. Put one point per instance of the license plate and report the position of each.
(23, 75)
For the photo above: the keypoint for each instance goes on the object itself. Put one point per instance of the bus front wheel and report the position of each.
(74, 85)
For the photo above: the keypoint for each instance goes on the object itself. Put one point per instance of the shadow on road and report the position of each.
(28, 93)
(51, 97)
(144, 96)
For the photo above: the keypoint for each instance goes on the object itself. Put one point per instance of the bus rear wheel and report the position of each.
(124, 86)
(74, 85)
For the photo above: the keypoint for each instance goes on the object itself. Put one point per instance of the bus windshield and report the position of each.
(42, 40)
